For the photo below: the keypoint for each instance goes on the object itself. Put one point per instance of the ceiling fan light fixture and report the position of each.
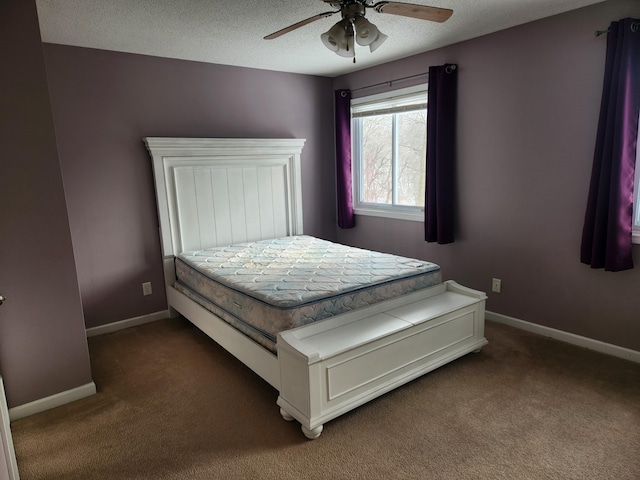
(348, 48)
(366, 32)
(335, 38)
(379, 40)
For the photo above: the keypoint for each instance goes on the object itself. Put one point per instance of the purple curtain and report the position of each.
(607, 232)
(346, 218)
(441, 129)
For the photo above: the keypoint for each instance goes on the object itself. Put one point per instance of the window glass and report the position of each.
(376, 156)
(412, 157)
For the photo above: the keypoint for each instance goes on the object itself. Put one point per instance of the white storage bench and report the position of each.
(335, 365)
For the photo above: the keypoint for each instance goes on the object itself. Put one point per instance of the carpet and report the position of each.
(172, 404)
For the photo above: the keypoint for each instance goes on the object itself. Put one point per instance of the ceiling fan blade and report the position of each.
(422, 12)
(299, 24)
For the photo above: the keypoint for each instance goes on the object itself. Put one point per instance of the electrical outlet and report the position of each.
(146, 288)
(496, 285)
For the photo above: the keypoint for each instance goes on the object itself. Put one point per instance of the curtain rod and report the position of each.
(635, 26)
(390, 81)
(450, 68)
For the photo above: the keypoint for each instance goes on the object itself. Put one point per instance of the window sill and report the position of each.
(635, 238)
(414, 216)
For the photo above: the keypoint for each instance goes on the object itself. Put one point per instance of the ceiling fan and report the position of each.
(355, 28)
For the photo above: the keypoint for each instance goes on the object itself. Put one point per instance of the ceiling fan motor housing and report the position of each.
(353, 10)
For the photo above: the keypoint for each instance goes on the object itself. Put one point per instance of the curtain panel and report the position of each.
(607, 232)
(346, 218)
(441, 136)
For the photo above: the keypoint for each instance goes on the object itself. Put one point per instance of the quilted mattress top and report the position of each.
(294, 271)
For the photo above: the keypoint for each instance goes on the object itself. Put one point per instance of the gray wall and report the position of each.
(104, 103)
(43, 347)
(529, 99)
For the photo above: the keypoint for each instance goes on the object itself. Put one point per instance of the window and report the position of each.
(389, 144)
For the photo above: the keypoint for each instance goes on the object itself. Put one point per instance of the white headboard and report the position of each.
(219, 191)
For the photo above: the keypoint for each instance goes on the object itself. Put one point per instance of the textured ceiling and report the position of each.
(231, 32)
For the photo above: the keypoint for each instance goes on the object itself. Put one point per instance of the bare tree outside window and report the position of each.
(377, 143)
(412, 157)
(382, 134)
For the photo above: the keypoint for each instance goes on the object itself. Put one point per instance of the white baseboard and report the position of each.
(88, 389)
(130, 322)
(53, 401)
(567, 337)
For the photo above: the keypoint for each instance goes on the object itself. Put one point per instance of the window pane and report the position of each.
(376, 159)
(412, 157)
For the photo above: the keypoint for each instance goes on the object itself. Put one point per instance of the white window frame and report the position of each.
(401, 212)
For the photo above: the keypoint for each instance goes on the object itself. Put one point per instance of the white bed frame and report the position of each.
(213, 192)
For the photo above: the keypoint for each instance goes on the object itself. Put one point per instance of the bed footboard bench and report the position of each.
(331, 367)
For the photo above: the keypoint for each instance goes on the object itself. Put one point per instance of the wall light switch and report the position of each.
(146, 288)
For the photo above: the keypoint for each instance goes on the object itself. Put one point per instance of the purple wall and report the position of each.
(104, 103)
(528, 112)
(43, 347)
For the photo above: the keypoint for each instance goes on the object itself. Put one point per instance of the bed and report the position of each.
(329, 326)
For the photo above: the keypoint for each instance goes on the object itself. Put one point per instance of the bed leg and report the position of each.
(286, 416)
(173, 313)
(477, 350)
(312, 433)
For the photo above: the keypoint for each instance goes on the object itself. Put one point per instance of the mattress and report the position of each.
(268, 286)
